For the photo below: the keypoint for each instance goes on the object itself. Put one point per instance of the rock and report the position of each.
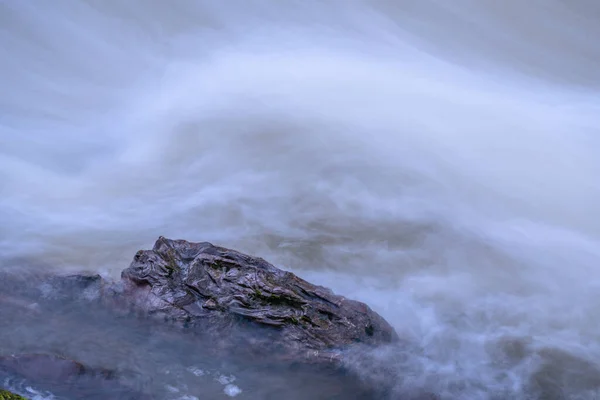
(65, 377)
(74, 287)
(45, 286)
(41, 367)
(229, 294)
(6, 395)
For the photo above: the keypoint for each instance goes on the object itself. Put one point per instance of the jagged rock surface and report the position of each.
(222, 291)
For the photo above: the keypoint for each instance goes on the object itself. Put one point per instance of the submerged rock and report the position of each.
(227, 293)
(65, 377)
(41, 367)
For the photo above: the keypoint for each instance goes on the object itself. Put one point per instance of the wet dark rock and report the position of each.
(226, 293)
(65, 377)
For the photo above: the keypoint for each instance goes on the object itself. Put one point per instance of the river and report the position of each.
(437, 160)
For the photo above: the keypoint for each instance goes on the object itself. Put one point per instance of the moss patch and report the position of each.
(276, 300)
(6, 395)
(171, 263)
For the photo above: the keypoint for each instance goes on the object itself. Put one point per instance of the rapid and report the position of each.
(436, 160)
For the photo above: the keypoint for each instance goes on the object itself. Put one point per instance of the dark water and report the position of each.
(438, 161)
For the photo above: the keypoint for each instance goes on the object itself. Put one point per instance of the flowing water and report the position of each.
(437, 160)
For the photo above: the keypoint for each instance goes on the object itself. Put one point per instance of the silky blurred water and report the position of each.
(436, 160)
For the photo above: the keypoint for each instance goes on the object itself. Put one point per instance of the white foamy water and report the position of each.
(438, 161)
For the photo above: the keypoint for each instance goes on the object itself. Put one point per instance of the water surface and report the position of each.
(438, 161)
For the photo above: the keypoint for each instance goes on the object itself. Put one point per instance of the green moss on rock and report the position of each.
(6, 395)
